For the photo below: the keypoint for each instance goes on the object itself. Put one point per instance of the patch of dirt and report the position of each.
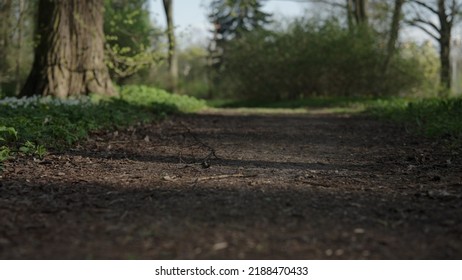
(222, 185)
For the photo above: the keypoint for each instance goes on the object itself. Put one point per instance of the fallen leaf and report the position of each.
(220, 246)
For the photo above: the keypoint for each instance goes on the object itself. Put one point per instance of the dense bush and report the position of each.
(313, 58)
(153, 97)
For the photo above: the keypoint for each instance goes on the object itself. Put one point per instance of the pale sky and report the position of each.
(192, 26)
(190, 16)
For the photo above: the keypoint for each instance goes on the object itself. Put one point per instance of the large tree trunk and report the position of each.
(69, 57)
(172, 57)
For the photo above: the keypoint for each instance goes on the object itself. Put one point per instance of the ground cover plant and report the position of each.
(433, 117)
(29, 125)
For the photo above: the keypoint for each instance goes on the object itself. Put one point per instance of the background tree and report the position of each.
(5, 31)
(393, 33)
(232, 19)
(172, 55)
(69, 56)
(17, 19)
(446, 12)
(357, 12)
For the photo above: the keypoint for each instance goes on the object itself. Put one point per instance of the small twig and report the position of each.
(212, 152)
(224, 176)
(316, 184)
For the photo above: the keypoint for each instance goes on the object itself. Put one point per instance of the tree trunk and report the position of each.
(5, 37)
(21, 11)
(394, 32)
(172, 57)
(350, 13)
(445, 47)
(360, 11)
(445, 71)
(69, 57)
(356, 12)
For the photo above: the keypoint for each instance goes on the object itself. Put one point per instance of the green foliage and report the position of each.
(313, 58)
(160, 99)
(6, 134)
(17, 21)
(192, 74)
(4, 154)
(30, 125)
(427, 60)
(9, 137)
(234, 18)
(31, 149)
(307, 103)
(131, 38)
(434, 117)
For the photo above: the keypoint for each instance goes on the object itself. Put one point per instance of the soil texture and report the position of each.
(227, 185)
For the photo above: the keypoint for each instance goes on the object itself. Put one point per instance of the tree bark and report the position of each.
(350, 13)
(172, 56)
(394, 32)
(69, 57)
(5, 38)
(446, 13)
(21, 11)
(361, 11)
(445, 45)
(356, 12)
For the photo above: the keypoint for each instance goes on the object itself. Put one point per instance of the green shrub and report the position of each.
(314, 58)
(57, 123)
(160, 99)
(434, 117)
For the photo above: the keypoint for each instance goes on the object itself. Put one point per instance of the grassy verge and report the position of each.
(30, 125)
(308, 103)
(437, 117)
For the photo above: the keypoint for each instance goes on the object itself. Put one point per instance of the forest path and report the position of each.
(226, 184)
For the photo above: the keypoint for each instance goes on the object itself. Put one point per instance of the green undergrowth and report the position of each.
(29, 125)
(432, 117)
(307, 103)
(435, 117)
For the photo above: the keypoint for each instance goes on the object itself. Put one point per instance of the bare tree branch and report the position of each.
(427, 22)
(334, 4)
(425, 5)
(425, 30)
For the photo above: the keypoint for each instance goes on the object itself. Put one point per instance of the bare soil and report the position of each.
(227, 185)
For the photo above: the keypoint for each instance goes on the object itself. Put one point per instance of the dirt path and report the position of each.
(226, 185)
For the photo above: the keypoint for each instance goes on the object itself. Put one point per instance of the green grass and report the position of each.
(31, 124)
(307, 103)
(436, 117)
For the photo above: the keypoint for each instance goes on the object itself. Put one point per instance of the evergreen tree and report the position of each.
(232, 19)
